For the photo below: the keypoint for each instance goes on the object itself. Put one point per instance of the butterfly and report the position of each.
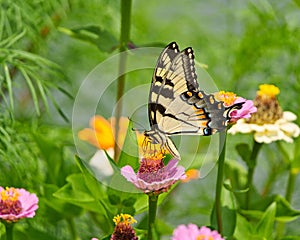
(177, 106)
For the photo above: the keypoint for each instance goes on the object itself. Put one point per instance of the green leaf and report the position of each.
(244, 151)
(265, 226)
(53, 155)
(130, 152)
(91, 182)
(9, 86)
(102, 39)
(81, 199)
(284, 211)
(228, 186)
(243, 229)
(114, 199)
(32, 90)
(64, 208)
(296, 158)
(237, 175)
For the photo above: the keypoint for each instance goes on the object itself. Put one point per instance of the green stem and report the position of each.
(72, 229)
(288, 196)
(251, 167)
(124, 39)
(152, 201)
(271, 180)
(220, 176)
(9, 231)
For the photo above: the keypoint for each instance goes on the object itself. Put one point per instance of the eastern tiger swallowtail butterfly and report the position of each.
(177, 105)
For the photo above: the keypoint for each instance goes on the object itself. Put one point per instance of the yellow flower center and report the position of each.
(268, 89)
(204, 237)
(126, 219)
(9, 202)
(227, 97)
(10, 194)
(268, 108)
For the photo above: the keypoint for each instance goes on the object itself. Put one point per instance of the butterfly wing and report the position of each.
(174, 73)
(176, 105)
(194, 113)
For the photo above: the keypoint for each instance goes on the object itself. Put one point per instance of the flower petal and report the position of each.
(129, 173)
(289, 116)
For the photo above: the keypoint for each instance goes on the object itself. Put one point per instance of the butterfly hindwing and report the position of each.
(198, 114)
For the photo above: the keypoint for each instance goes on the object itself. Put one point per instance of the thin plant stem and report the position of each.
(288, 196)
(251, 167)
(152, 202)
(220, 176)
(124, 39)
(9, 231)
(72, 229)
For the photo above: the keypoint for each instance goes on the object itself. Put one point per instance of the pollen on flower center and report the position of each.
(268, 108)
(127, 219)
(204, 237)
(227, 97)
(268, 89)
(123, 229)
(9, 203)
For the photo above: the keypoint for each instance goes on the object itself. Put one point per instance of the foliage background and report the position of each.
(244, 43)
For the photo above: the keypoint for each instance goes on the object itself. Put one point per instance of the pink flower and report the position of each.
(153, 176)
(192, 232)
(17, 203)
(245, 112)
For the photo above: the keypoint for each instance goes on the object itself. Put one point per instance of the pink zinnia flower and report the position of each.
(245, 112)
(192, 232)
(153, 176)
(17, 203)
(230, 98)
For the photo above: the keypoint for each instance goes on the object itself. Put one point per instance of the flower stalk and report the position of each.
(9, 231)
(251, 163)
(220, 177)
(152, 202)
(72, 229)
(124, 39)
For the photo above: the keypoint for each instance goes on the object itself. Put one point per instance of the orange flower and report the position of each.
(191, 174)
(101, 132)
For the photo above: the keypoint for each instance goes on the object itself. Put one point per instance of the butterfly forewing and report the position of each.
(172, 70)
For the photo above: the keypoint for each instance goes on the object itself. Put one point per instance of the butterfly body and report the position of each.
(177, 105)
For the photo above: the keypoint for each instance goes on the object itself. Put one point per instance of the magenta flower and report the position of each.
(230, 98)
(245, 112)
(17, 203)
(153, 176)
(192, 232)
